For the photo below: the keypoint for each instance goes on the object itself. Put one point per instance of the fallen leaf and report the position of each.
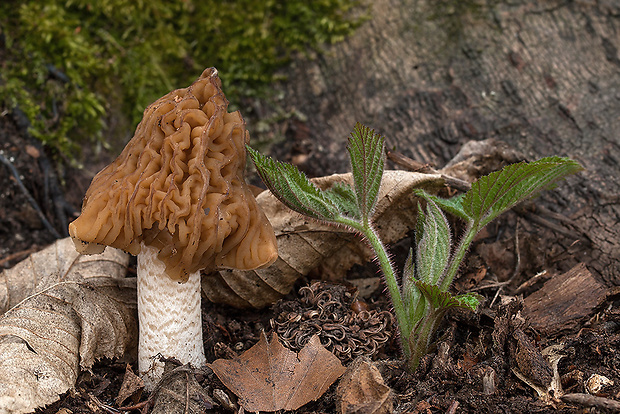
(366, 286)
(49, 336)
(363, 391)
(179, 392)
(58, 262)
(304, 244)
(132, 385)
(552, 390)
(528, 359)
(269, 377)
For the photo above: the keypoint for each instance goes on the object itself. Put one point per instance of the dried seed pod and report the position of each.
(325, 309)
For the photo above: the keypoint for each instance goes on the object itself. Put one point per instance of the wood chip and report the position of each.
(564, 301)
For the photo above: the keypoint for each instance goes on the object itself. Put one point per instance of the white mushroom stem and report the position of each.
(169, 318)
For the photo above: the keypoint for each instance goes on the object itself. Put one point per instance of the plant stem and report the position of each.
(389, 275)
(459, 254)
(421, 338)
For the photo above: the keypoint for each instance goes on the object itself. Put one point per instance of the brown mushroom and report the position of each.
(176, 197)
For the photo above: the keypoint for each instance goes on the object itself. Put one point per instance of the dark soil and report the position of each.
(470, 371)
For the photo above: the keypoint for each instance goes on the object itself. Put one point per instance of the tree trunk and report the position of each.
(543, 76)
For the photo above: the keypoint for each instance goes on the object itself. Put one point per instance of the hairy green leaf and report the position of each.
(452, 205)
(411, 294)
(415, 303)
(409, 268)
(442, 301)
(425, 285)
(469, 300)
(433, 244)
(367, 162)
(497, 192)
(343, 196)
(293, 188)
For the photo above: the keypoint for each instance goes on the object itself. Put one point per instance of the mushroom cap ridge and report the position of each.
(179, 186)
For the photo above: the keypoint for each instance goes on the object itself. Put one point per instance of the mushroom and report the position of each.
(176, 197)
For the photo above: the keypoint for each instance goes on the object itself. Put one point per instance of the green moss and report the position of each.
(69, 64)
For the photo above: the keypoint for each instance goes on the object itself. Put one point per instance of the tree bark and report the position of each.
(543, 76)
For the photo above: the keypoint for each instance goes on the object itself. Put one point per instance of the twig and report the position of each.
(56, 196)
(409, 163)
(517, 253)
(103, 406)
(413, 165)
(517, 267)
(496, 295)
(453, 407)
(540, 215)
(532, 281)
(30, 199)
(591, 401)
(139, 406)
(18, 255)
(53, 193)
(538, 219)
(489, 286)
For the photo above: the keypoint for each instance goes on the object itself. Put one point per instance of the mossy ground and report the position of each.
(82, 72)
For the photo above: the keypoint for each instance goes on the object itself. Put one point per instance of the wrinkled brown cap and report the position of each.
(179, 186)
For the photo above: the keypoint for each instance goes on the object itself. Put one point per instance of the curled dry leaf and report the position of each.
(269, 377)
(48, 337)
(58, 262)
(305, 244)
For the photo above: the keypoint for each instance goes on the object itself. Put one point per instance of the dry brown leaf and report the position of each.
(363, 391)
(132, 386)
(269, 377)
(304, 244)
(58, 262)
(48, 337)
(179, 392)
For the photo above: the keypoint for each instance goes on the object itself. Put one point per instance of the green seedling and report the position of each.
(421, 297)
